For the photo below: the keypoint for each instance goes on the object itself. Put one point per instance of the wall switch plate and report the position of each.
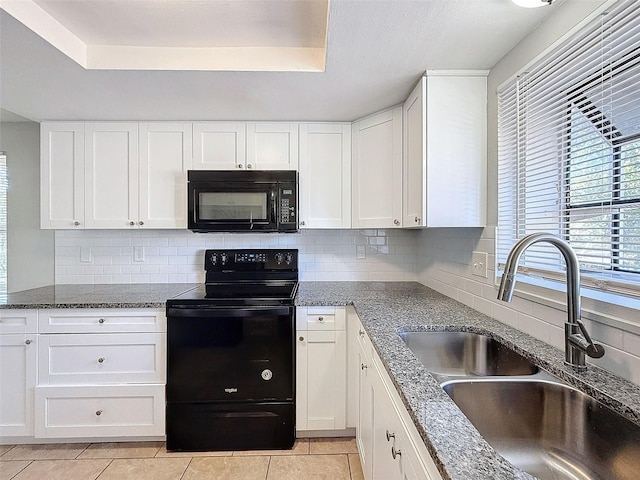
(85, 254)
(360, 251)
(138, 254)
(479, 264)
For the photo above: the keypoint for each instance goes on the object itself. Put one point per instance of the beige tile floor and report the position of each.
(317, 459)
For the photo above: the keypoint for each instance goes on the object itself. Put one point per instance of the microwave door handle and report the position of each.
(274, 212)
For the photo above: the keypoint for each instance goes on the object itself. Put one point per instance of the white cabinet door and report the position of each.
(272, 146)
(325, 175)
(414, 169)
(456, 154)
(111, 173)
(62, 175)
(165, 157)
(321, 370)
(366, 421)
(377, 170)
(219, 146)
(18, 356)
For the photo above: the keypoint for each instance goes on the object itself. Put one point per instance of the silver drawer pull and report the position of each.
(76, 224)
(363, 366)
(389, 435)
(361, 333)
(101, 320)
(395, 453)
(101, 360)
(321, 319)
(27, 341)
(301, 339)
(99, 412)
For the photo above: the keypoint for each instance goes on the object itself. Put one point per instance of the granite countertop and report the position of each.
(385, 308)
(456, 447)
(139, 295)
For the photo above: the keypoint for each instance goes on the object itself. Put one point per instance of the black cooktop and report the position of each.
(244, 277)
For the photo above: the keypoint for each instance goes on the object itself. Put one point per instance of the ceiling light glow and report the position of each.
(532, 3)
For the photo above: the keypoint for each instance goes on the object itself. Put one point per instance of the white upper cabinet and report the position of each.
(111, 173)
(272, 146)
(62, 175)
(165, 157)
(219, 146)
(445, 150)
(377, 170)
(325, 175)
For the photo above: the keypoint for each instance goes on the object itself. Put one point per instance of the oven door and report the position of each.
(232, 206)
(241, 354)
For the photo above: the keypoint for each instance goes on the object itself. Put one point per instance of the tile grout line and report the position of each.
(186, 468)
(268, 467)
(104, 469)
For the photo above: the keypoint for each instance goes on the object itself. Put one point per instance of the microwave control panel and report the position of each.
(287, 212)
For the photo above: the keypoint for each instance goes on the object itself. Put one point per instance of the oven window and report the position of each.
(232, 206)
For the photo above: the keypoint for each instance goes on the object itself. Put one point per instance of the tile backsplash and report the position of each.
(175, 256)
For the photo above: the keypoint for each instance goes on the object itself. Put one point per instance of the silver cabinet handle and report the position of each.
(396, 222)
(417, 219)
(321, 319)
(140, 223)
(301, 339)
(101, 320)
(361, 333)
(302, 222)
(101, 360)
(239, 165)
(76, 223)
(28, 341)
(248, 165)
(132, 223)
(99, 412)
(395, 453)
(363, 366)
(389, 435)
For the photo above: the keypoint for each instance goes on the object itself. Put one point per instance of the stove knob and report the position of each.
(214, 259)
(288, 258)
(279, 258)
(223, 258)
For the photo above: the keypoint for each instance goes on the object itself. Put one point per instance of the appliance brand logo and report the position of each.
(231, 390)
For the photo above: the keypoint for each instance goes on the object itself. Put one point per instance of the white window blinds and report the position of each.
(4, 185)
(569, 152)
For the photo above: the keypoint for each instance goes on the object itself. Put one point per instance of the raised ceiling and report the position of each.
(375, 52)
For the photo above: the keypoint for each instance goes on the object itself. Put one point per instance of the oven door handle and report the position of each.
(235, 312)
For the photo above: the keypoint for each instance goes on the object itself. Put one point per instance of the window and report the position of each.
(569, 153)
(4, 184)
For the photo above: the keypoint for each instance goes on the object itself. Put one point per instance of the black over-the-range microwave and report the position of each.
(243, 201)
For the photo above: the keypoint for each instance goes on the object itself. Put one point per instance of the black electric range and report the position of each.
(231, 354)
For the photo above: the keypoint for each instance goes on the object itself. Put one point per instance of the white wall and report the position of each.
(444, 255)
(177, 255)
(30, 250)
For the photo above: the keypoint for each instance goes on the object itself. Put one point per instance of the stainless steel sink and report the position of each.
(550, 430)
(464, 354)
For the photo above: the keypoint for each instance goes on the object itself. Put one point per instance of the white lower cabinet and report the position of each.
(99, 411)
(18, 371)
(101, 373)
(389, 444)
(321, 371)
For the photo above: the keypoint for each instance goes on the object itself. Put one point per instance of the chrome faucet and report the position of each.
(577, 341)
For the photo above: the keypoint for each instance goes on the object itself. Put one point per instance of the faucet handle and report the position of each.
(594, 350)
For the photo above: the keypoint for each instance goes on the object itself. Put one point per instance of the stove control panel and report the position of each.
(251, 259)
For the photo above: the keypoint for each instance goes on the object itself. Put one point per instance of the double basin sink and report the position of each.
(533, 419)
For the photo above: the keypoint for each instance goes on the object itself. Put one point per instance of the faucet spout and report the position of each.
(577, 340)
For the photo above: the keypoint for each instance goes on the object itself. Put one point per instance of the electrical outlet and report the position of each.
(360, 251)
(85, 254)
(479, 264)
(138, 254)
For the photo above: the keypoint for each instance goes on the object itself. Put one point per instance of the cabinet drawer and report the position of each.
(18, 321)
(99, 411)
(98, 359)
(112, 320)
(321, 318)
